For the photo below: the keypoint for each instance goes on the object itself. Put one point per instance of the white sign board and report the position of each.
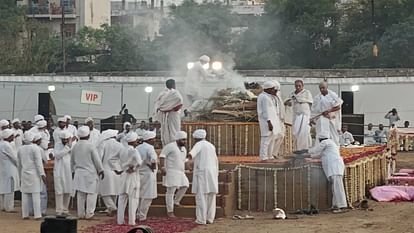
(91, 97)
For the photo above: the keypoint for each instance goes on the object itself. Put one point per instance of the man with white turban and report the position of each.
(18, 133)
(9, 175)
(148, 174)
(205, 177)
(167, 107)
(130, 186)
(272, 127)
(173, 157)
(110, 151)
(301, 100)
(62, 173)
(95, 134)
(195, 76)
(38, 118)
(4, 124)
(87, 166)
(32, 174)
(326, 112)
(57, 132)
(122, 136)
(72, 129)
(333, 166)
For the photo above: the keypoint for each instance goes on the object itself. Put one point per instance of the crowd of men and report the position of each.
(120, 167)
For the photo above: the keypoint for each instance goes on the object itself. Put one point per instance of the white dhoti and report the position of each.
(338, 191)
(172, 198)
(301, 132)
(62, 203)
(132, 201)
(205, 207)
(7, 202)
(88, 200)
(29, 199)
(170, 125)
(109, 202)
(43, 198)
(270, 146)
(144, 205)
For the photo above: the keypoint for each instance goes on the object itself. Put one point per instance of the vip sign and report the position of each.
(91, 97)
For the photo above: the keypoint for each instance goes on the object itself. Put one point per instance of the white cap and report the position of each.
(205, 58)
(83, 131)
(41, 124)
(68, 117)
(149, 135)
(65, 134)
(88, 119)
(277, 85)
(61, 119)
(38, 118)
(36, 137)
(131, 137)
(28, 136)
(200, 134)
(4, 123)
(15, 121)
(279, 213)
(268, 84)
(126, 123)
(6, 133)
(180, 135)
(109, 133)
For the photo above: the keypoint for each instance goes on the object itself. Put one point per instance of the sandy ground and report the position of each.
(384, 217)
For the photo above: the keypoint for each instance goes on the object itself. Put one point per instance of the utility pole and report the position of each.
(62, 7)
(375, 49)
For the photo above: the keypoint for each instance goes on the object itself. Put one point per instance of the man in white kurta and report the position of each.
(173, 157)
(130, 160)
(87, 166)
(110, 152)
(205, 177)
(301, 101)
(345, 137)
(167, 107)
(122, 136)
(95, 134)
(147, 174)
(72, 129)
(333, 166)
(62, 173)
(9, 175)
(271, 126)
(32, 174)
(326, 112)
(369, 135)
(18, 133)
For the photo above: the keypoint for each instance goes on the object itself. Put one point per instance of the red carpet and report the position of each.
(159, 225)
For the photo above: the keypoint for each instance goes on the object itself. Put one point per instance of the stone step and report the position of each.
(188, 200)
(224, 176)
(224, 188)
(183, 211)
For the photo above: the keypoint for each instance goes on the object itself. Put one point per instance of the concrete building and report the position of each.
(78, 13)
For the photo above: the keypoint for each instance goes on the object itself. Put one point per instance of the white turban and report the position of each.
(15, 121)
(28, 136)
(324, 134)
(109, 133)
(4, 123)
(38, 118)
(277, 85)
(149, 135)
(36, 137)
(6, 133)
(61, 119)
(131, 137)
(126, 123)
(269, 84)
(65, 134)
(67, 117)
(180, 135)
(83, 131)
(200, 134)
(41, 124)
(88, 119)
(205, 58)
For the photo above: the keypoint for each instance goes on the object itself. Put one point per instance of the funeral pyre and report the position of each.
(230, 105)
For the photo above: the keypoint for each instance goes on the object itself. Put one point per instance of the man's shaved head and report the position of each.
(323, 87)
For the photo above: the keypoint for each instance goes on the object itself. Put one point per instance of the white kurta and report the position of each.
(332, 124)
(86, 165)
(170, 120)
(148, 177)
(110, 157)
(206, 168)
(332, 162)
(369, 137)
(18, 138)
(31, 168)
(121, 138)
(94, 137)
(45, 136)
(62, 171)
(130, 183)
(174, 165)
(346, 138)
(9, 175)
(57, 140)
(301, 103)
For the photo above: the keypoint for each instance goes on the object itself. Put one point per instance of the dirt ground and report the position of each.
(384, 217)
